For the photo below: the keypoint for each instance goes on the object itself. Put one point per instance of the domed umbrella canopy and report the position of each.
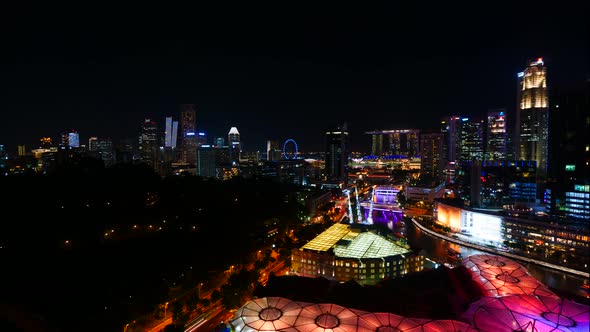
(266, 314)
(528, 313)
(499, 276)
(485, 261)
(386, 322)
(330, 317)
(446, 325)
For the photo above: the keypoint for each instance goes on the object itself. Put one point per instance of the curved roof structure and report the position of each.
(280, 314)
(528, 313)
(499, 276)
(330, 317)
(266, 314)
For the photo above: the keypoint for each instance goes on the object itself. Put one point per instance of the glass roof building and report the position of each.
(343, 253)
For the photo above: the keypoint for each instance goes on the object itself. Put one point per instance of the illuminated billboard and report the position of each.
(479, 226)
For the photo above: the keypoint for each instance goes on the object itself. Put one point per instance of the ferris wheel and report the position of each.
(290, 150)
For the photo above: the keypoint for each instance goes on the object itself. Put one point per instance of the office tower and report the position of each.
(532, 115)
(395, 142)
(206, 157)
(188, 132)
(93, 144)
(233, 139)
(170, 133)
(451, 128)
(431, 152)
(337, 153)
(471, 142)
(219, 142)
(201, 139)
(273, 150)
(70, 139)
(104, 147)
(148, 143)
(496, 137)
(21, 150)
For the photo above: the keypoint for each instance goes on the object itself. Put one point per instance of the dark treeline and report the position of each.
(79, 252)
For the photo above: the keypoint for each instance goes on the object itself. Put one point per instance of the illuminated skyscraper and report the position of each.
(471, 143)
(532, 116)
(70, 139)
(337, 154)
(233, 139)
(496, 135)
(451, 128)
(273, 150)
(188, 132)
(170, 133)
(93, 144)
(148, 143)
(431, 152)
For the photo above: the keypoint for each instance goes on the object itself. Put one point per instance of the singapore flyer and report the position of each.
(290, 151)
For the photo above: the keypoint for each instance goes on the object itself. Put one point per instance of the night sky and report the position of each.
(274, 72)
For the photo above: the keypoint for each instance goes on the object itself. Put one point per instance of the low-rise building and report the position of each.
(344, 252)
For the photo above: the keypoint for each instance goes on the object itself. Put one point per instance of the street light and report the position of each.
(165, 307)
(125, 327)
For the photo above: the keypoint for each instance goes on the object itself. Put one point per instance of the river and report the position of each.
(564, 284)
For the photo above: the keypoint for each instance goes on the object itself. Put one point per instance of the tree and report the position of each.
(179, 316)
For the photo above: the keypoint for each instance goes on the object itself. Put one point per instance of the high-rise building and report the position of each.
(219, 142)
(233, 139)
(104, 147)
(206, 157)
(148, 143)
(22, 150)
(532, 115)
(188, 131)
(170, 133)
(431, 152)
(451, 128)
(93, 144)
(471, 142)
(273, 150)
(395, 142)
(337, 153)
(496, 137)
(70, 139)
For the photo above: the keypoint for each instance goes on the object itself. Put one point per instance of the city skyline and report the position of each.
(309, 73)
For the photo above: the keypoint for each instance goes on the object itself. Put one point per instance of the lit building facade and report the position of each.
(496, 137)
(206, 161)
(170, 133)
(233, 140)
(395, 142)
(148, 143)
(532, 116)
(188, 132)
(451, 128)
(577, 202)
(336, 166)
(431, 153)
(343, 253)
(471, 139)
(104, 147)
(3, 161)
(70, 139)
